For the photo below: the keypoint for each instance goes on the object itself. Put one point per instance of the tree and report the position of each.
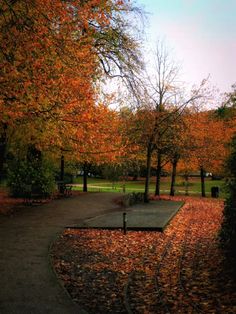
(163, 99)
(209, 138)
(161, 91)
(227, 110)
(44, 76)
(52, 54)
(178, 146)
(100, 141)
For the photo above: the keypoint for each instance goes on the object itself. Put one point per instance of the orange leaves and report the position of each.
(97, 137)
(179, 271)
(207, 141)
(49, 68)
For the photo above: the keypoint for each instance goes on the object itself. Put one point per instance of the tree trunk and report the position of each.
(203, 182)
(3, 146)
(147, 181)
(173, 177)
(62, 168)
(158, 174)
(61, 185)
(85, 176)
(186, 184)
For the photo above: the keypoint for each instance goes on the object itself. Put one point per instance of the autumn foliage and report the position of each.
(179, 271)
(53, 56)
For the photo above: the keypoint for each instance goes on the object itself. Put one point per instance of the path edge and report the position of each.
(79, 309)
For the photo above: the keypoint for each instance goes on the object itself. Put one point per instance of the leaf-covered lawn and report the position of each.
(179, 271)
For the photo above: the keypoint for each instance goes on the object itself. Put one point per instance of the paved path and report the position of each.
(27, 282)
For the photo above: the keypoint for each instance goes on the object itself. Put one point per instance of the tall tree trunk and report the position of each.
(148, 173)
(85, 176)
(62, 168)
(186, 183)
(173, 176)
(203, 182)
(3, 146)
(158, 174)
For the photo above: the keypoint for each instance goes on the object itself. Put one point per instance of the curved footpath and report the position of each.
(28, 284)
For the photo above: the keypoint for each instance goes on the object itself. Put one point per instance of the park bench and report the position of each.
(64, 189)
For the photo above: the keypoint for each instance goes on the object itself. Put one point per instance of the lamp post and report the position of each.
(125, 222)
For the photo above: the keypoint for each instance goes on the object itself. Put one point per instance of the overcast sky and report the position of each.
(202, 34)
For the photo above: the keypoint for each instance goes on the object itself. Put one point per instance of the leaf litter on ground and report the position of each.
(181, 270)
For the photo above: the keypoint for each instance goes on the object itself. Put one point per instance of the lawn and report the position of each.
(181, 270)
(102, 185)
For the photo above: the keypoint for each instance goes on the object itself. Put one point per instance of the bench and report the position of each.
(64, 189)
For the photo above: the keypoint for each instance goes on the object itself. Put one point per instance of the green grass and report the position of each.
(102, 185)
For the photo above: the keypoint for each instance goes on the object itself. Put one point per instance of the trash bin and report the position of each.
(215, 191)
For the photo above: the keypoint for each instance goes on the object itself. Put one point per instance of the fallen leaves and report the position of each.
(179, 271)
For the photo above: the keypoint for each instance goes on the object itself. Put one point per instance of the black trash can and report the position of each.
(215, 191)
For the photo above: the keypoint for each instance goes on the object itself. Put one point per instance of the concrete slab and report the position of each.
(152, 216)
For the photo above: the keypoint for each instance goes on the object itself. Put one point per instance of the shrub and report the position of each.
(25, 176)
(132, 199)
(228, 228)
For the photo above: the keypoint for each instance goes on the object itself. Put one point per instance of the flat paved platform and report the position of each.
(28, 284)
(152, 216)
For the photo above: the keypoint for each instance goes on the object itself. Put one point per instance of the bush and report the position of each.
(228, 228)
(25, 176)
(133, 198)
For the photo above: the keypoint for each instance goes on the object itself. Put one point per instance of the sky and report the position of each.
(201, 35)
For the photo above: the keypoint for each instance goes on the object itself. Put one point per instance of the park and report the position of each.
(117, 177)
